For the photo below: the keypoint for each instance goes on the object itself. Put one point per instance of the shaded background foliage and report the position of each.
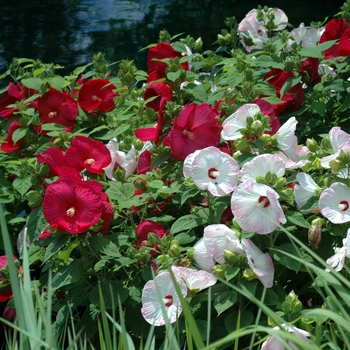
(69, 32)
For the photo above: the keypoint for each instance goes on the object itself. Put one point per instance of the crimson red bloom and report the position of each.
(156, 68)
(293, 97)
(195, 128)
(337, 29)
(55, 159)
(146, 227)
(13, 94)
(89, 154)
(71, 205)
(160, 91)
(97, 94)
(309, 69)
(5, 284)
(9, 145)
(107, 213)
(144, 162)
(267, 109)
(57, 107)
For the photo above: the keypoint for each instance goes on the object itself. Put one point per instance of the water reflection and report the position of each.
(69, 32)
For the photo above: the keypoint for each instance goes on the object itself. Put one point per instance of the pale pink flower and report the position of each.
(214, 171)
(340, 140)
(286, 140)
(273, 343)
(306, 189)
(334, 203)
(256, 208)
(196, 280)
(237, 121)
(260, 263)
(219, 237)
(337, 260)
(187, 166)
(159, 295)
(261, 165)
(305, 37)
(301, 153)
(202, 256)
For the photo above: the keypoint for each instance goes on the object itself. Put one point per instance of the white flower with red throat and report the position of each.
(337, 260)
(334, 203)
(202, 256)
(232, 126)
(261, 165)
(214, 171)
(160, 300)
(219, 237)
(260, 263)
(256, 208)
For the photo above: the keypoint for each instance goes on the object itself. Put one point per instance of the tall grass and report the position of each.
(33, 326)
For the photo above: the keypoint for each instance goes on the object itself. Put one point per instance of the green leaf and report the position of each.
(104, 245)
(186, 237)
(19, 134)
(56, 246)
(67, 275)
(185, 223)
(297, 218)
(57, 82)
(119, 191)
(33, 83)
(22, 185)
(121, 129)
(266, 61)
(224, 301)
(289, 83)
(172, 76)
(318, 107)
(316, 51)
(36, 223)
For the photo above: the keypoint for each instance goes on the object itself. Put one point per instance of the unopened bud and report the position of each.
(249, 274)
(314, 233)
(219, 270)
(311, 144)
(335, 165)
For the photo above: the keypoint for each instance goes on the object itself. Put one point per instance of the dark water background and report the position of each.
(69, 32)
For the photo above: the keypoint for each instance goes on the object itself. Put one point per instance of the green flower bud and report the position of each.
(335, 165)
(249, 274)
(219, 270)
(311, 144)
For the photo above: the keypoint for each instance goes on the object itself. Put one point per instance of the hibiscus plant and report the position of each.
(214, 184)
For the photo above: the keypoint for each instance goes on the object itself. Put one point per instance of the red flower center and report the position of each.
(89, 161)
(263, 202)
(213, 173)
(189, 134)
(95, 98)
(70, 212)
(344, 205)
(52, 114)
(168, 300)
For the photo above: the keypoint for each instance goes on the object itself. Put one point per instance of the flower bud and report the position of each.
(311, 144)
(219, 270)
(249, 274)
(314, 233)
(198, 44)
(174, 250)
(335, 165)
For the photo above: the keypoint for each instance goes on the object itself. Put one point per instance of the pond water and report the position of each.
(69, 32)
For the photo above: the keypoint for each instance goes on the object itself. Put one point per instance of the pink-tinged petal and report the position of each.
(219, 237)
(196, 280)
(256, 208)
(187, 166)
(334, 203)
(339, 139)
(215, 171)
(238, 121)
(146, 134)
(161, 292)
(202, 256)
(286, 140)
(260, 263)
(261, 165)
(305, 189)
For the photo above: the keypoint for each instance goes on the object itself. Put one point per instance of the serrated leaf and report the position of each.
(67, 275)
(22, 185)
(119, 191)
(57, 82)
(288, 84)
(104, 245)
(172, 76)
(19, 134)
(185, 223)
(224, 301)
(33, 83)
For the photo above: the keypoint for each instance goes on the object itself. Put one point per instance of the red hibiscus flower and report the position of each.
(89, 154)
(107, 214)
(57, 107)
(71, 205)
(267, 109)
(195, 128)
(144, 162)
(337, 29)
(97, 94)
(309, 69)
(146, 227)
(159, 91)
(156, 68)
(292, 98)
(9, 145)
(5, 284)
(54, 158)
(13, 94)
